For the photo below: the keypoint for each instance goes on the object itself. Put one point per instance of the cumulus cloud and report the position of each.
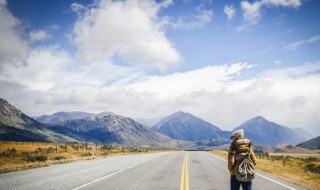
(129, 29)
(296, 45)
(12, 46)
(229, 11)
(199, 20)
(251, 11)
(39, 35)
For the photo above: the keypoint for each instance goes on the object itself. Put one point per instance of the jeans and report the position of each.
(235, 184)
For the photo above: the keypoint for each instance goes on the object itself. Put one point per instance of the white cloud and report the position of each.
(288, 96)
(130, 29)
(77, 7)
(298, 44)
(251, 11)
(209, 78)
(12, 45)
(193, 21)
(166, 3)
(39, 35)
(229, 11)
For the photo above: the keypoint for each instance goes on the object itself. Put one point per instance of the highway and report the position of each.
(175, 170)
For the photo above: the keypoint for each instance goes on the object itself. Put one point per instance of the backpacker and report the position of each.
(244, 167)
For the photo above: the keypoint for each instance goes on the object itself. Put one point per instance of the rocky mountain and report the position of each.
(115, 129)
(312, 144)
(264, 132)
(184, 126)
(102, 128)
(17, 126)
(59, 117)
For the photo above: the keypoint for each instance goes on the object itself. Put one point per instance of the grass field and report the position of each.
(16, 156)
(301, 169)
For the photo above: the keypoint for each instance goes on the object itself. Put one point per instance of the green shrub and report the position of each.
(86, 154)
(35, 157)
(8, 152)
(59, 158)
(312, 168)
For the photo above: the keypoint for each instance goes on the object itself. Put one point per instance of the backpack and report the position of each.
(244, 167)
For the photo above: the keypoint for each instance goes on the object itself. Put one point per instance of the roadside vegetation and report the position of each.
(301, 169)
(16, 156)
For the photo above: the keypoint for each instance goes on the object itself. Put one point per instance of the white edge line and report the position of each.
(275, 181)
(113, 173)
(258, 174)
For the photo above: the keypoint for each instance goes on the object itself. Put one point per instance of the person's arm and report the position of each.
(253, 157)
(231, 155)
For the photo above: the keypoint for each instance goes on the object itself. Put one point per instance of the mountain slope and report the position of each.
(185, 126)
(115, 129)
(312, 144)
(264, 132)
(17, 126)
(59, 117)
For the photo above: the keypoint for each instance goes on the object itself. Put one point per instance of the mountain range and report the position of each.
(111, 129)
(179, 129)
(264, 132)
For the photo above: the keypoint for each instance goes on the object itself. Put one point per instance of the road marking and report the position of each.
(104, 177)
(258, 174)
(276, 181)
(184, 180)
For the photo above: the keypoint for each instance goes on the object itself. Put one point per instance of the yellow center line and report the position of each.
(184, 175)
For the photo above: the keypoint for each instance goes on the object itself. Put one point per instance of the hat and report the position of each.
(238, 134)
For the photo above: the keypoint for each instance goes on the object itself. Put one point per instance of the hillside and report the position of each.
(17, 126)
(312, 144)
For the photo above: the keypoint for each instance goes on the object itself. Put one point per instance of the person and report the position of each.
(234, 150)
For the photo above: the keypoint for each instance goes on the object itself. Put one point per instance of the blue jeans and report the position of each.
(235, 184)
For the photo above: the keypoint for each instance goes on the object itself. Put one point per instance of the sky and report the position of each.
(224, 61)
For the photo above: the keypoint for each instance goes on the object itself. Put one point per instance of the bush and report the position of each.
(312, 168)
(86, 154)
(310, 159)
(35, 158)
(59, 158)
(8, 152)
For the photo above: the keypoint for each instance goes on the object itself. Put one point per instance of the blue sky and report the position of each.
(215, 59)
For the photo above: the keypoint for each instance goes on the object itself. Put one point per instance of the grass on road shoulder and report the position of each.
(16, 156)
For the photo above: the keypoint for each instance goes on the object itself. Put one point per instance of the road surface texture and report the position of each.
(175, 170)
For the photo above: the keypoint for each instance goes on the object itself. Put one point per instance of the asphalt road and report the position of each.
(177, 170)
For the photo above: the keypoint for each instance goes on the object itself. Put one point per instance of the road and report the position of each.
(175, 170)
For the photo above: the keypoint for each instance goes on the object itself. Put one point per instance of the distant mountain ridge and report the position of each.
(116, 129)
(59, 117)
(110, 129)
(312, 144)
(264, 132)
(184, 126)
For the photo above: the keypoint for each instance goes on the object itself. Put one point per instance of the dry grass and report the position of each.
(288, 168)
(13, 154)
